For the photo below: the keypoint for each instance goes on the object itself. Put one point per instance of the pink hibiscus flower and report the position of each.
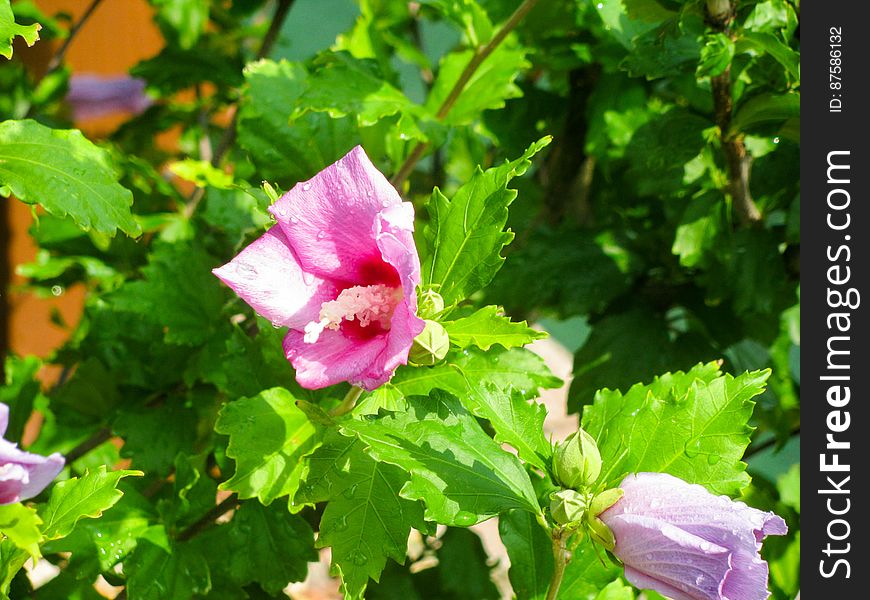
(340, 269)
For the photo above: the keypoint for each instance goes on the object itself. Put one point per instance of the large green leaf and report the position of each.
(365, 521)
(269, 436)
(277, 547)
(283, 150)
(463, 241)
(66, 174)
(20, 524)
(692, 425)
(80, 497)
(174, 572)
(516, 421)
(178, 293)
(9, 30)
(489, 326)
(530, 550)
(766, 108)
(490, 85)
(461, 474)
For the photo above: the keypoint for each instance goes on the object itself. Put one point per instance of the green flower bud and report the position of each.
(271, 192)
(567, 507)
(600, 533)
(605, 500)
(576, 461)
(430, 346)
(429, 304)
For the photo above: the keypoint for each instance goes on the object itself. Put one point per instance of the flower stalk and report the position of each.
(560, 560)
(348, 403)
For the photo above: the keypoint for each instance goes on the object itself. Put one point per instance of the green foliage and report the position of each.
(79, 180)
(706, 415)
(9, 30)
(529, 548)
(489, 326)
(459, 472)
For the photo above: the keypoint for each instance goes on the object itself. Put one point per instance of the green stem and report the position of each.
(480, 55)
(560, 556)
(348, 403)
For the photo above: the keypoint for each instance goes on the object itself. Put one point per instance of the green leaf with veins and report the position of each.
(282, 149)
(692, 425)
(489, 326)
(20, 524)
(461, 251)
(462, 475)
(489, 87)
(517, 368)
(530, 550)
(269, 437)
(80, 497)
(65, 173)
(365, 521)
(178, 572)
(9, 30)
(516, 421)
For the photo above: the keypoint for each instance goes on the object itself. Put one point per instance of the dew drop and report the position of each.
(649, 556)
(693, 448)
(306, 186)
(358, 558)
(385, 203)
(776, 140)
(99, 534)
(307, 278)
(712, 459)
(56, 290)
(600, 5)
(464, 519)
(350, 492)
(699, 580)
(279, 208)
(294, 219)
(340, 524)
(321, 235)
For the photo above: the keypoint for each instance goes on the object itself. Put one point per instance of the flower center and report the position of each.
(366, 304)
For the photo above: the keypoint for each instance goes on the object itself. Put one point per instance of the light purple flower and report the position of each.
(22, 474)
(93, 96)
(688, 544)
(340, 269)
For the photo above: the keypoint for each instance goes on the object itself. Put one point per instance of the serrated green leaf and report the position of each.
(699, 228)
(716, 55)
(461, 474)
(365, 521)
(158, 574)
(468, 15)
(517, 368)
(154, 436)
(530, 550)
(770, 44)
(269, 436)
(81, 497)
(346, 86)
(692, 425)
(490, 85)
(270, 537)
(463, 241)
(20, 524)
(515, 420)
(178, 293)
(9, 30)
(490, 326)
(283, 150)
(65, 173)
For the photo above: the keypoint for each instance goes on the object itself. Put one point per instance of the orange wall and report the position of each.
(119, 34)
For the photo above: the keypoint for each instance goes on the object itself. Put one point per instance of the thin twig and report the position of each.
(58, 57)
(560, 558)
(102, 435)
(739, 162)
(209, 518)
(480, 55)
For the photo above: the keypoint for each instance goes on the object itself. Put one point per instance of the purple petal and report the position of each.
(747, 580)
(329, 219)
(334, 358)
(23, 475)
(92, 96)
(4, 419)
(267, 276)
(669, 558)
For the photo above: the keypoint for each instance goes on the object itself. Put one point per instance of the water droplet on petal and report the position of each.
(321, 235)
(294, 220)
(649, 556)
(699, 580)
(306, 186)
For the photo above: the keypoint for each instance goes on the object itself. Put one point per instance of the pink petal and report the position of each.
(333, 358)
(329, 219)
(747, 580)
(267, 276)
(23, 475)
(4, 419)
(394, 234)
(667, 555)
